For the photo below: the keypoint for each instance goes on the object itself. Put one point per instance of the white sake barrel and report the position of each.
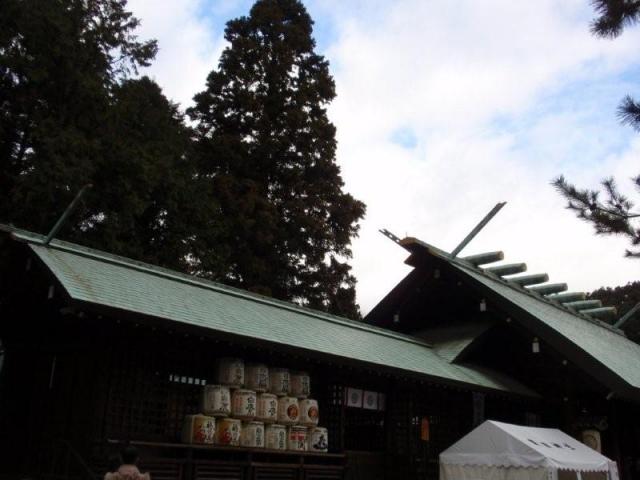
(300, 384)
(216, 400)
(256, 377)
(591, 438)
(198, 429)
(228, 431)
(243, 404)
(318, 439)
(267, 410)
(309, 413)
(252, 435)
(276, 437)
(279, 381)
(230, 372)
(288, 410)
(297, 438)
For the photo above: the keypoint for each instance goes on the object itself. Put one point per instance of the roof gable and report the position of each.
(599, 348)
(607, 345)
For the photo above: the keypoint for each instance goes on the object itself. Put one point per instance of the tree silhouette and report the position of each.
(70, 115)
(266, 145)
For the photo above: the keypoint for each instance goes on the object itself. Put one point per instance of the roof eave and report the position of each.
(153, 321)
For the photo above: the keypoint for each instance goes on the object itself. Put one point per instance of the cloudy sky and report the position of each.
(446, 107)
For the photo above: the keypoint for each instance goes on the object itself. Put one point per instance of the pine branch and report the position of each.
(629, 112)
(614, 16)
(611, 217)
(614, 215)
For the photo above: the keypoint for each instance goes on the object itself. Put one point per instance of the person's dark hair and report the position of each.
(129, 455)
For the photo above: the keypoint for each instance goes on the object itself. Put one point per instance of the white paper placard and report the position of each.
(354, 397)
(370, 400)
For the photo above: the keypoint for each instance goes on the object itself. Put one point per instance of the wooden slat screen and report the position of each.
(163, 469)
(273, 472)
(204, 470)
(322, 473)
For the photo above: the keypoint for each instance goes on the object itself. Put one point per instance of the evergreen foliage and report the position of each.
(69, 116)
(614, 213)
(145, 202)
(266, 145)
(614, 16)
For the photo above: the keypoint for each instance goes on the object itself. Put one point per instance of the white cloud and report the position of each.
(190, 43)
(453, 73)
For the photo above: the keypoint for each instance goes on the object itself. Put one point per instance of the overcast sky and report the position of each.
(446, 107)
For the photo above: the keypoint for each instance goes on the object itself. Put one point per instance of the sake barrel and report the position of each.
(256, 377)
(288, 410)
(300, 384)
(267, 410)
(297, 438)
(252, 435)
(591, 438)
(276, 437)
(279, 381)
(198, 429)
(228, 431)
(243, 404)
(216, 400)
(318, 439)
(230, 372)
(309, 413)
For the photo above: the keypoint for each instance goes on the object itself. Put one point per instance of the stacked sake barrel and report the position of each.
(255, 406)
(297, 428)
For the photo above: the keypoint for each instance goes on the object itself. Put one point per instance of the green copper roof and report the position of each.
(102, 279)
(606, 347)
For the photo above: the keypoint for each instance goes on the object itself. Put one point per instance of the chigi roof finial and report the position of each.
(390, 235)
(65, 214)
(487, 218)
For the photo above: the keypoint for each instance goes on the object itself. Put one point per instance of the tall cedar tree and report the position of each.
(624, 298)
(68, 117)
(614, 214)
(266, 145)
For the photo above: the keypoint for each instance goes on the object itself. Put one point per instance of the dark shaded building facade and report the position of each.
(100, 350)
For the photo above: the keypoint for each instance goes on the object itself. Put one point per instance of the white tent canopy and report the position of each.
(496, 450)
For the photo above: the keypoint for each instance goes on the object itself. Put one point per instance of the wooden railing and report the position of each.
(176, 461)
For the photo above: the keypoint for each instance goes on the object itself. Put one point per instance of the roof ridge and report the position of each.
(542, 298)
(69, 247)
(469, 266)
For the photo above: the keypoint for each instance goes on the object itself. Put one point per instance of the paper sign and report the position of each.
(370, 400)
(354, 397)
